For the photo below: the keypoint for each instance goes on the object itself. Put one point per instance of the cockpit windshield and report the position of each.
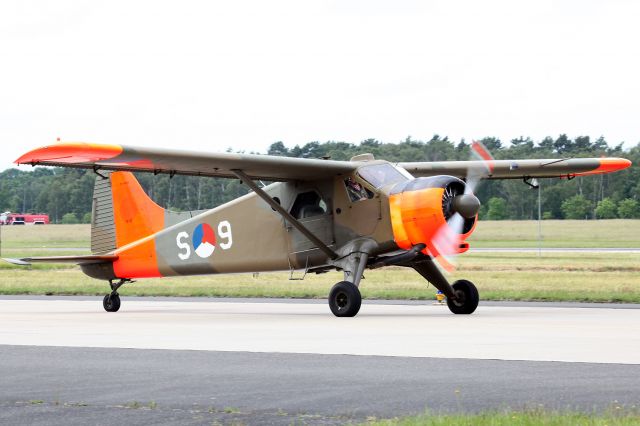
(380, 175)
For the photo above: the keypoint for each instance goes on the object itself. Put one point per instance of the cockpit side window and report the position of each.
(380, 175)
(356, 190)
(308, 204)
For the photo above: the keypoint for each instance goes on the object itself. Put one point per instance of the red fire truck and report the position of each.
(8, 218)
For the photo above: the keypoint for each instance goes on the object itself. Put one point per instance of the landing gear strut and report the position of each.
(111, 301)
(462, 296)
(345, 299)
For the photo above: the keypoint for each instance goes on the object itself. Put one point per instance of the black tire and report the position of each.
(467, 300)
(111, 302)
(345, 299)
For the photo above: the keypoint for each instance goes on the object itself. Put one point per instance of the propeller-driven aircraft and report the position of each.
(319, 215)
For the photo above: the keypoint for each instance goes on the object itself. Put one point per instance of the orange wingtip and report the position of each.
(70, 152)
(608, 165)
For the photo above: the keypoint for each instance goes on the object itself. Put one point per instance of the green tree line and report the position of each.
(65, 194)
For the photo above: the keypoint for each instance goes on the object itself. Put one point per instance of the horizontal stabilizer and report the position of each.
(94, 258)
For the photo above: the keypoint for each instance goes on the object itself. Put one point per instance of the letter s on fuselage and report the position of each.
(183, 245)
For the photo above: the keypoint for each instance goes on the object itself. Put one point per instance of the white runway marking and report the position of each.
(507, 333)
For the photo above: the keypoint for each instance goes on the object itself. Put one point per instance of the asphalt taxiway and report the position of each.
(190, 362)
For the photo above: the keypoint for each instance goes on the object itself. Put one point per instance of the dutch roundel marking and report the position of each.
(204, 240)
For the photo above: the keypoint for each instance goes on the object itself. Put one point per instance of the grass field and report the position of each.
(557, 233)
(619, 417)
(45, 236)
(499, 276)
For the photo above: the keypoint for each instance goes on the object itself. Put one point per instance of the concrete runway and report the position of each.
(168, 361)
(493, 332)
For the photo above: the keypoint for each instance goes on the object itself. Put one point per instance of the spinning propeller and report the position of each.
(459, 205)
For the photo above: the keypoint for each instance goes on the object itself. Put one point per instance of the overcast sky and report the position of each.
(208, 75)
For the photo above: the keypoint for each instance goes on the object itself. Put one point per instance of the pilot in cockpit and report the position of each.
(356, 191)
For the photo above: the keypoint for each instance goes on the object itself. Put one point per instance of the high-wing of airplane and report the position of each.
(319, 215)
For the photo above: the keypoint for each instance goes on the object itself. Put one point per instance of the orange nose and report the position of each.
(416, 216)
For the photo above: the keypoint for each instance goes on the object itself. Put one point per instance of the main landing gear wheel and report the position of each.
(111, 302)
(467, 298)
(345, 299)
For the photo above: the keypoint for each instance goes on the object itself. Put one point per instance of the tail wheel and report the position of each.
(111, 302)
(345, 299)
(466, 300)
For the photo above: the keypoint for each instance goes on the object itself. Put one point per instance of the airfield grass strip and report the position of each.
(618, 233)
(517, 418)
(584, 277)
(387, 283)
(45, 236)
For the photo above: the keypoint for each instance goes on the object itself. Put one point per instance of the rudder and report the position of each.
(122, 212)
(103, 228)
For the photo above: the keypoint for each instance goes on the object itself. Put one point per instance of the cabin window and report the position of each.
(380, 175)
(356, 190)
(308, 204)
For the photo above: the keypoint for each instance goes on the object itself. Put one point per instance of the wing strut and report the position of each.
(277, 207)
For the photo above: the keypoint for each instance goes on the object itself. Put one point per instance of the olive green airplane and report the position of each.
(318, 215)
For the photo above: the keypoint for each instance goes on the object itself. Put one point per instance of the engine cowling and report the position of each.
(421, 207)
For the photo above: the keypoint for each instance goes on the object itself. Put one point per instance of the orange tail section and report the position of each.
(135, 214)
(124, 222)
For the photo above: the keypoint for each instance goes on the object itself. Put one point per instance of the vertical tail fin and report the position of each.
(103, 227)
(122, 212)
